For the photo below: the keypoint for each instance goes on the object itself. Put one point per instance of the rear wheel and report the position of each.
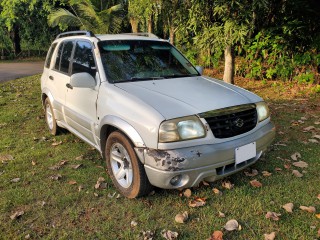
(50, 118)
(124, 167)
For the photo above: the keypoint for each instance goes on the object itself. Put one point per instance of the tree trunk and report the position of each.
(134, 25)
(171, 35)
(253, 24)
(2, 55)
(150, 24)
(15, 37)
(228, 75)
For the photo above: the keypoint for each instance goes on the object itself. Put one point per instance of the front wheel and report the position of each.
(125, 169)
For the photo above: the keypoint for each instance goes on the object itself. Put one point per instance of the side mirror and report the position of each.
(199, 69)
(82, 80)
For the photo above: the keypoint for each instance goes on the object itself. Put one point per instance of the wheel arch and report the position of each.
(110, 124)
(46, 94)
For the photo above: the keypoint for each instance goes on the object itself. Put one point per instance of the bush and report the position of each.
(270, 57)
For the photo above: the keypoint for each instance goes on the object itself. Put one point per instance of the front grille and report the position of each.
(232, 122)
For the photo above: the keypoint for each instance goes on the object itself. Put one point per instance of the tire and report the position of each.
(125, 169)
(50, 118)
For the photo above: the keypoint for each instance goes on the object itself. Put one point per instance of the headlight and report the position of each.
(180, 129)
(263, 111)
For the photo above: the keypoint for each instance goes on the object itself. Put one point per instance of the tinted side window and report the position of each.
(83, 60)
(57, 64)
(49, 56)
(66, 57)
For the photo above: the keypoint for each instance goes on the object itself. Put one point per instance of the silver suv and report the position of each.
(149, 112)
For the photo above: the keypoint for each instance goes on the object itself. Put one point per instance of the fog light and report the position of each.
(175, 181)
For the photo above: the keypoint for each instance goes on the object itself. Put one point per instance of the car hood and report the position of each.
(177, 97)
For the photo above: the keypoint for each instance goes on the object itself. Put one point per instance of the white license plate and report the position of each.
(245, 152)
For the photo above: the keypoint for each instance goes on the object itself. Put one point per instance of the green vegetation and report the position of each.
(23, 27)
(72, 208)
(86, 16)
(259, 39)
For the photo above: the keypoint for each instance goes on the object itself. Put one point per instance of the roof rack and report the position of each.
(76, 33)
(143, 34)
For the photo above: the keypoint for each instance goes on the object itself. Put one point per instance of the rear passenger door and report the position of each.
(81, 102)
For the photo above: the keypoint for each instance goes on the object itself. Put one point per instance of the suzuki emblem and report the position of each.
(239, 122)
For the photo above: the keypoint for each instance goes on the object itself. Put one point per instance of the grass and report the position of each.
(56, 209)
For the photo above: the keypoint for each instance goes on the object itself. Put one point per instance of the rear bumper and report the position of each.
(206, 162)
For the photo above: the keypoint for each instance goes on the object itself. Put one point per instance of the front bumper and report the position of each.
(209, 162)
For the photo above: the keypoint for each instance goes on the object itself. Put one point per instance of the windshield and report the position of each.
(136, 60)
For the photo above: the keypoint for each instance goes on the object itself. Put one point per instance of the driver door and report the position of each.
(81, 108)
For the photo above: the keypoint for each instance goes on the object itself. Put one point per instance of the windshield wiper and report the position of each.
(179, 75)
(145, 78)
(157, 78)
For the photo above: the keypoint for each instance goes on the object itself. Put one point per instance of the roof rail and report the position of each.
(75, 33)
(143, 34)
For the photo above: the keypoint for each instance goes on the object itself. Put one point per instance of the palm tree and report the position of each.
(84, 15)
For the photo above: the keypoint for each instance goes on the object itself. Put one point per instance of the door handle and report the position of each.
(68, 85)
(51, 78)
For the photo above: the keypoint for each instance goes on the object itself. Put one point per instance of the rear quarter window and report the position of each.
(49, 55)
